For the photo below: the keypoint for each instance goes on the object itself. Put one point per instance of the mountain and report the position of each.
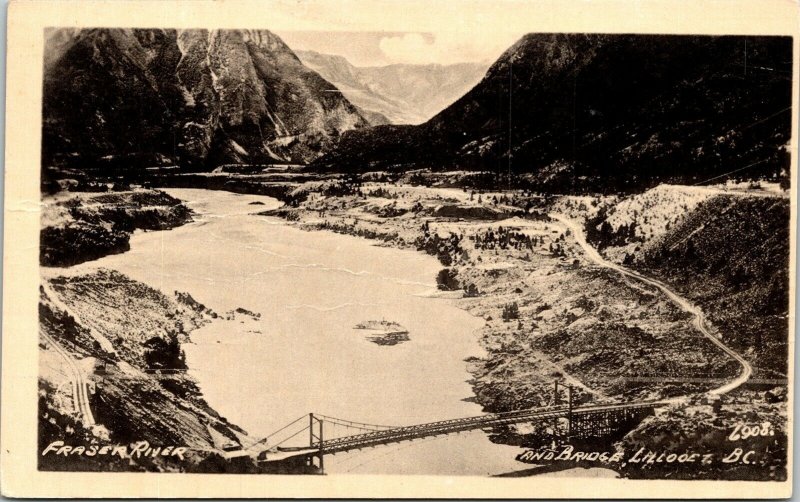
(339, 71)
(403, 93)
(197, 98)
(575, 111)
(429, 88)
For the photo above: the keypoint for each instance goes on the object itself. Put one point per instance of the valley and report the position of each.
(593, 222)
(555, 309)
(400, 93)
(551, 308)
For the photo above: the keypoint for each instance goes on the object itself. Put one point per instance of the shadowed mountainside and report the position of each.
(194, 98)
(574, 111)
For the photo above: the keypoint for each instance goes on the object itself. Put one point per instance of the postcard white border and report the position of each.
(26, 22)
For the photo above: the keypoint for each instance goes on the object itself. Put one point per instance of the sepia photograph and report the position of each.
(534, 254)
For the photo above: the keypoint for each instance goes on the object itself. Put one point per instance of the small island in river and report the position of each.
(384, 332)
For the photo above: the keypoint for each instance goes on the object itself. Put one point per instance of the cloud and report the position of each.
(445, 47)
(408, 48)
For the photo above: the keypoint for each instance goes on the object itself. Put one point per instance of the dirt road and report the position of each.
(80, 391)
(699, 318)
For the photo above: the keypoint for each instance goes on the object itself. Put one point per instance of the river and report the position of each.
(303, 354)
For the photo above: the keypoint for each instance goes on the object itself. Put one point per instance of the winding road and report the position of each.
(698, 322)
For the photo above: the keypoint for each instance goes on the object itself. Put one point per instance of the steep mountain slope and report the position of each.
(622, 111)
(403, 93)
(731, 256)
(428, 88)
(197, 98)
(726, 252)
(376, 108)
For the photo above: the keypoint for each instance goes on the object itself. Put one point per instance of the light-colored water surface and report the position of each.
(303, 355)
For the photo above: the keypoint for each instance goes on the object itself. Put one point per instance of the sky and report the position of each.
(384, 48)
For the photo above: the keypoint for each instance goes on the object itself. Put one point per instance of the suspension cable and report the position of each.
(353, 424)
(731, 172)
(265, 438)
(290, 437)
(285, 427)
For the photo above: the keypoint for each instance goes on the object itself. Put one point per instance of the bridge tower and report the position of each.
(569, 412)
(315, 438)
(557, 426)
(570, 403)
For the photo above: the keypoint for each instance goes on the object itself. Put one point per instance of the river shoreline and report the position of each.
(84, 226)
(416, 284)
(528, 283)
(610, 336)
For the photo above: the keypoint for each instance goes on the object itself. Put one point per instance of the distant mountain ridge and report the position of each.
(403, 93)
(577, 111)
(198, 98)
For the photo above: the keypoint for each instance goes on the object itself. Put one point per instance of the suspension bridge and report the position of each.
(563, 421)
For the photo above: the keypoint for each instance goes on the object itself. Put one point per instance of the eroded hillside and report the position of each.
(727, 251)
(195, 98)
(117, 342)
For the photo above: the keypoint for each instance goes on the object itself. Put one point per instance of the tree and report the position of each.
(164, 352)
(471, 291)
(510, 311)
(446, 280)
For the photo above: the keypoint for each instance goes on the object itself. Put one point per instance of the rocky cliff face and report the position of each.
(616, 111)
(196, 98)
(403, 93)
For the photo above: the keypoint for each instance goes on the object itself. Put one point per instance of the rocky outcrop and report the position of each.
(87, 226)
(139, 388)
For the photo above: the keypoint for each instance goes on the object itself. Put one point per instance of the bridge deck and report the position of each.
(398, 434)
